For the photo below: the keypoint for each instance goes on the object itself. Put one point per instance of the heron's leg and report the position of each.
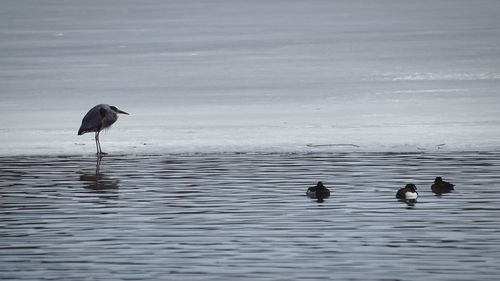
(99, 145)
(97, 142)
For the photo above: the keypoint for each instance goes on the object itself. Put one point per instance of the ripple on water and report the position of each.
(246, 216)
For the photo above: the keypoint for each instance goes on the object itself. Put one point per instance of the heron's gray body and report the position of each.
(100, 117)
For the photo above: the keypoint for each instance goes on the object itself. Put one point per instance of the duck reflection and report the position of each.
(410, 204)
(99, 180)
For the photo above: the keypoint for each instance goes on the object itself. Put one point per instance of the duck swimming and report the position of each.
(318, 191)
(440, 186)
(409, 192)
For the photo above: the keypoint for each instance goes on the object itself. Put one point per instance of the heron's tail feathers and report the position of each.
(82, 131)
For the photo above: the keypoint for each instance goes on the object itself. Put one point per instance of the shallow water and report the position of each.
(246, 216)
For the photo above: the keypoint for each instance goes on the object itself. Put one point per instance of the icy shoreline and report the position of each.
(248, 76)
(86, 146)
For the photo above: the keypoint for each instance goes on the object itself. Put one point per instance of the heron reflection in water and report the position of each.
(98, 180)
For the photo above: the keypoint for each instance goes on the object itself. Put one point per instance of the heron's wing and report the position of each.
(109, 117)
(92, 122)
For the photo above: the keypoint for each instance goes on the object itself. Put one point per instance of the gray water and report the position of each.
(246, 217)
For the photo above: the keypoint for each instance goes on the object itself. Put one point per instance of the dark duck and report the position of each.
(318, 191)
(409, 192)
(440, 186)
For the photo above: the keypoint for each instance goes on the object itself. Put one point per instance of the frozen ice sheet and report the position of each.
(202, 76)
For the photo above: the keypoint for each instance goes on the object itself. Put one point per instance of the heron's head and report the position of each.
(438, 180)
(115, 109)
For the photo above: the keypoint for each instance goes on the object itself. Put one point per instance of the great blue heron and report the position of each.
(99, 117)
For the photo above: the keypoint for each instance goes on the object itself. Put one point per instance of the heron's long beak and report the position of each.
(122, 112)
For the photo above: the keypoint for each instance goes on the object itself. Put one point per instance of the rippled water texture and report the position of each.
(246, 216)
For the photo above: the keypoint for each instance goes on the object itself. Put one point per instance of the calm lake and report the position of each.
(231, 216)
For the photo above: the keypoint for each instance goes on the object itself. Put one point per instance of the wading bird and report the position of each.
(100, 117)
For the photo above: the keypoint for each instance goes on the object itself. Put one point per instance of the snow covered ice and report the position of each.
(199, 76)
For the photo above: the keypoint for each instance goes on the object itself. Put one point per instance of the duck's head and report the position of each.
(438, 180)
(411, 187)
(320, 184)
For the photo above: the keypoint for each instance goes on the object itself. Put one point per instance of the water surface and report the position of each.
(245, 216)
